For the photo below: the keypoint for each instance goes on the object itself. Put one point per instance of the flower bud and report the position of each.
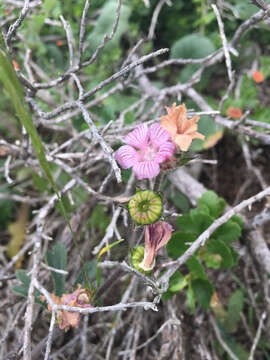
(136, 258)
(145, 207)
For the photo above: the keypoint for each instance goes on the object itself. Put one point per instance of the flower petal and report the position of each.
(191, 128)
(126, 156)
(157, 235)
(169, 126)
(167, 230)
(158, 135)
(146, 169)
(138, 137)
(183, 141)
(149, 252)
(189, 124)
(165, 152)
(198, 135)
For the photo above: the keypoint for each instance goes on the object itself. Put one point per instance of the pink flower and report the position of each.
(145, 150)
(156, 236)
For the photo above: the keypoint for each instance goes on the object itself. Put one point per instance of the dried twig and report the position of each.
(224, 42)
(257, 337)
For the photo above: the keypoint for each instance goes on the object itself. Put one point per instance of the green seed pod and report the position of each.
(136, 258)
(145, 207)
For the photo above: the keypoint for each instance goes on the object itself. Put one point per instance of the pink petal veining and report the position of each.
(146, 170)
(165, 152)
(138, 137)
(146, 149)
(158, 135)
(126, 156)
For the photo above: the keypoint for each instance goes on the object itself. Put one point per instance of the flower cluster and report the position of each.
(147, 149)
(147, 152)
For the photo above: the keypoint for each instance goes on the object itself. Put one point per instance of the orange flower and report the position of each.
(79, 298)
(59, 42)
(181, 129)
(258, 76)
(234, 113)
(15, 65)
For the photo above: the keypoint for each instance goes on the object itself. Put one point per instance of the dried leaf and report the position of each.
(17, 232)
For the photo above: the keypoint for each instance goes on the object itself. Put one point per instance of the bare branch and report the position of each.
(14, 27)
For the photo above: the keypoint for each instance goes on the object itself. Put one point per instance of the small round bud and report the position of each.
(136, 258)
(145, 207)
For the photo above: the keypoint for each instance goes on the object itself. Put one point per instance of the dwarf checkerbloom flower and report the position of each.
(145, 150)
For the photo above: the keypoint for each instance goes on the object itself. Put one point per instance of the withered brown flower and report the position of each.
(156, 236)
(79, 298)
(181, 129)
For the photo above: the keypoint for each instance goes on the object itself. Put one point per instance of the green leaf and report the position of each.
(236, 348)
(185, 223)
(99, 219)
(178, 285)
(210, 129)
(15, 91)
(238, 219)
(104, 25)
(217, 246)
(245, 10)
(235, 306)
(23, 277)
(176, 246)
(212, 204)
(196, 268)
(58, 260)
(192, 46)
(126, 173)
(179, 200)
(203, 291)
(177, 282)
(201, 221)
(234, 255)
(23, 289)
(195, 222)
(228, 232)
(40, 183)
(107, 248)
(89, 268)
(265, 66)
(212, 261)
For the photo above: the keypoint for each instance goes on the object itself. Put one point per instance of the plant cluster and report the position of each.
(117, 117)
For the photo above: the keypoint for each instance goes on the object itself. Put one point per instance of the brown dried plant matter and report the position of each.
(181, 129)
(78, 298)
